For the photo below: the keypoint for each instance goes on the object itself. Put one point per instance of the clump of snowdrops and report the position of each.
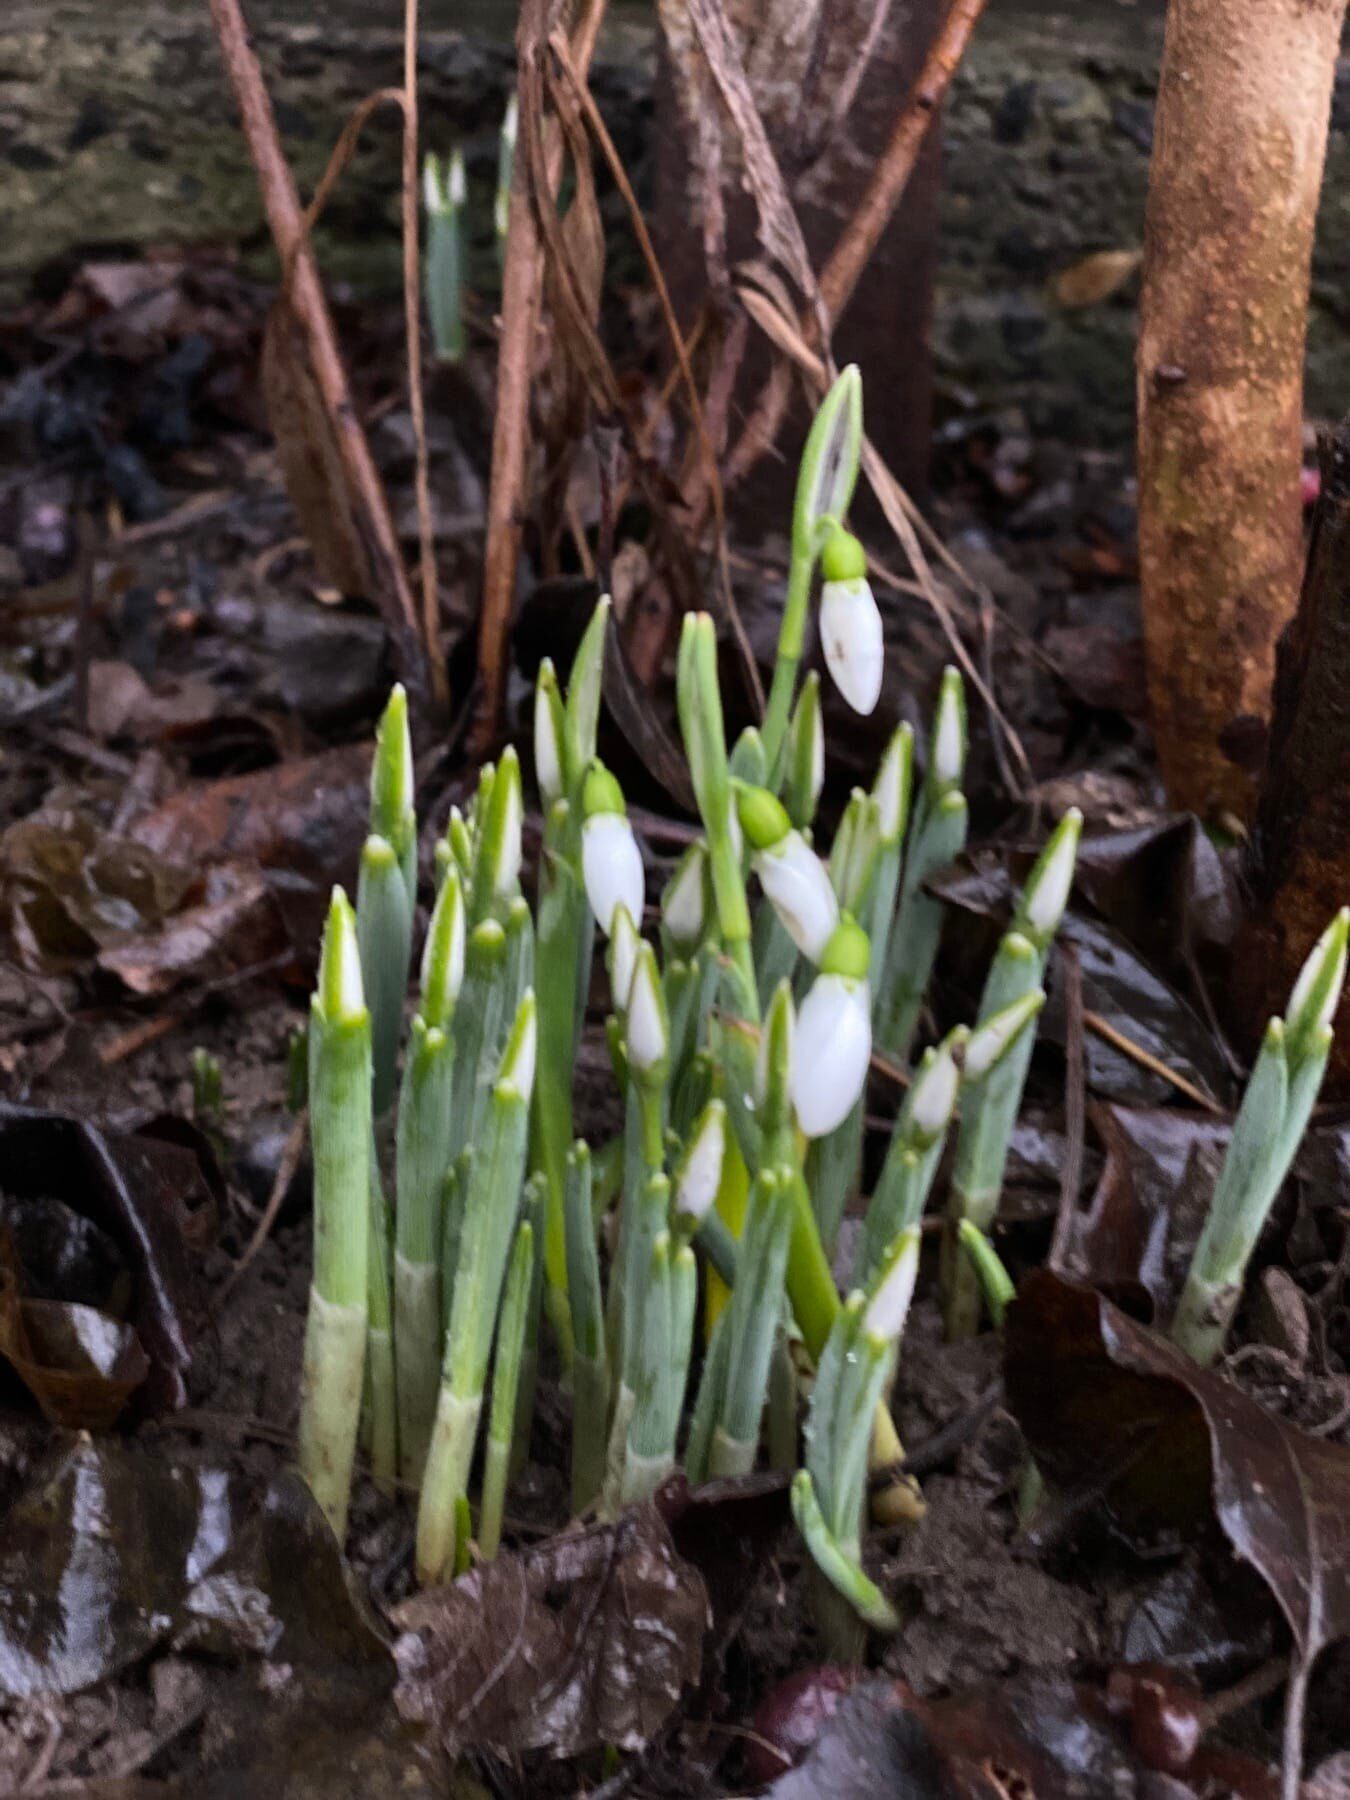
(456, 1208)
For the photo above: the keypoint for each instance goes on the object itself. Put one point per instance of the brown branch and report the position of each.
(522, 292)
(412, 316)
(281, 203)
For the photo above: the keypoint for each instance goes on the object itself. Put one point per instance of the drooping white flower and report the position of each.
(612, 865)
(853, 640)
(648, 1036)
(888, 1307)
(700, 1174)
(797, 884)
(684, 905)
(832, 1052)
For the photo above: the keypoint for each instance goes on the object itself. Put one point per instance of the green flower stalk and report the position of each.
(829, 1493)
(938, 836)
(752, 1324)
(380, 1423)
(506, 159)
(384, 934)
(669, 1300)
(805, 775)
(444, 192)
(915, 1150)
(487, 1230)
(506, 1372)
(1266, 1134)
(340, 1128)
(424, 1149)
(825, 484)
(590, 1362)
(479, 1020)
(990, 1110)
(564, 747)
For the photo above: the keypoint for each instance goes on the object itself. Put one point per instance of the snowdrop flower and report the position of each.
(339, 995)
(502, 828)
(443, 955)
(518, 1058)
(1047, 890)
(932, 1097)
(610, 859)
(891, 789)
(850, 623)
(700, 1173)
(624, 945)
(648, 1035)
(834, 1034)
(548, 734)
(793, 877)
(947, 748)
(888, 1306)
(991, 1041)
(684, 904)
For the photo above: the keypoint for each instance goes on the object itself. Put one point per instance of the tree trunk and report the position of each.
(1299, 867)
(803, 59)
(1240, 140)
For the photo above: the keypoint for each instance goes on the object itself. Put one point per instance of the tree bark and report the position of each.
(1299, 864)
(1240, 141)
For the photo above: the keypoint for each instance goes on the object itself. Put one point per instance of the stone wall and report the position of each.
(116, 130)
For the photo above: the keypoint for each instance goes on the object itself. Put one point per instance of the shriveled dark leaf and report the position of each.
(1138, 1230)
(122, 704)
(1165, 885)
(1110, 1407)
(80, 1365)
(726, 1529)
(1028, 1737)
(149, 1198)
(307, 816)
(590, 1638)
(238, 925)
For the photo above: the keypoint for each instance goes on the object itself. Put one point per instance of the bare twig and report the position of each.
(522, 290)
(1117, 1039)
(412, 316)
(282, 206)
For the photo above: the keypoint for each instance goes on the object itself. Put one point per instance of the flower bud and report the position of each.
(798, 888)
(624, 944)
(443, 954)
(684, 904)
(339, 993)
(888, 1303)
(1047, 891)
(548, 734)
(833, 1051)
(648, 1034)
(851, 632)
(517, 1064)
(611, 862)
(949, 742)
(700, 1171)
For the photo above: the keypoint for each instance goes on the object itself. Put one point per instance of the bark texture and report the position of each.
(1299, 867)
(1240, 142)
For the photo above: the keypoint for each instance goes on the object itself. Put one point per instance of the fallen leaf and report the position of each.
(238, 926)
(122, 703)
(147, 1197)
(588, 1639)
(1095, 278)
(1110, 1407)
(80, 1365)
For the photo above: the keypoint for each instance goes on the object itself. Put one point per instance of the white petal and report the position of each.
(798, 886)
(1046, 901)
(646, 1022)
(949, 749)
(682, 908)
(456, 188)
(547, 750)
(623, 953)
(889, 1305)
(852, 637)
(612, 865)
(701, 1174)
(933, 1098)
(834, 1047)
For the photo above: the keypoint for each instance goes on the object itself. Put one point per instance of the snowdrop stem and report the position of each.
(791, 638)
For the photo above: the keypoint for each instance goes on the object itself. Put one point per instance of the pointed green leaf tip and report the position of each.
(1049, 883)
(894, 781)
(763, 818)
(848, 952)
(517, 1064)
(502, 825)
(443, 957)
(990, 1042)
(842, 557)
(601, 793)
(391, 773)
(773, 1073)
(339, 995)
(584, 685)
(950, 739)
(829, 466)
(1317, 992)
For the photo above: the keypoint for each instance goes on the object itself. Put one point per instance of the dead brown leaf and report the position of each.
(1095, 278)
